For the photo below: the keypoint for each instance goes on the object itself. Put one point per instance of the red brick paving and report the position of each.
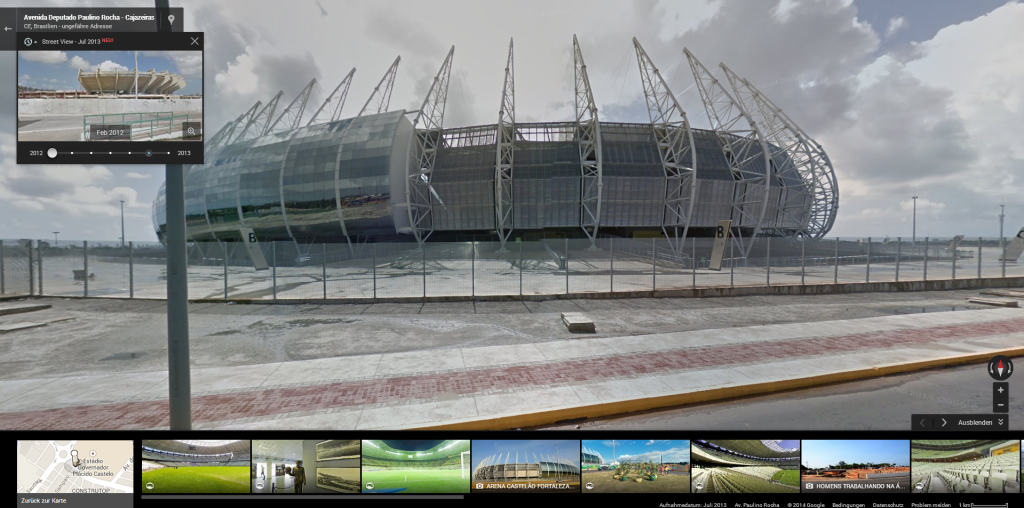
(266, 402)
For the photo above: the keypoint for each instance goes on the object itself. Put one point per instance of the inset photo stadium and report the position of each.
(526, 466)
(856, 466)
(196, 466)
(305, 467)
(636, 466)
(976, 466)
(748, 466)
(431, 466)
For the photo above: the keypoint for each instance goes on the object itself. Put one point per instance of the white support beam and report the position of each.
(427, 135)
(505, 139)
(236, 126)
(260, 123)
(674, 137)
(588, 135)
(740, 140)
(381, 97)
(812, 208)
(334, 102)
(293, 112)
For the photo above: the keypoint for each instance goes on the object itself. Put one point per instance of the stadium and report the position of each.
(745, 466)
(195, 466)
(416, 466)
(965, 465)
(302, 173)
(590, 459)
(125, 82)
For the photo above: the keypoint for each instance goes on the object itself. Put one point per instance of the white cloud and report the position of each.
(240, 77)
(189, 63)
(895, 24)
(79, 63)
(46, 57)
(137, 176)
(108, 65)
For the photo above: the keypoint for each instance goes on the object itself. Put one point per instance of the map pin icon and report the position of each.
(171, 18)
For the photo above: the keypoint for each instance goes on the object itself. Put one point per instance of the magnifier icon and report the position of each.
(191, 131)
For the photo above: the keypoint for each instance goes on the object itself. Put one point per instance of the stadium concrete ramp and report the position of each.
(521, 385)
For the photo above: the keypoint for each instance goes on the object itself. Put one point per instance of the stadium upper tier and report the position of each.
(952, 451)
(396, 175)
(754, 454)
(196, 450)
(116, 82)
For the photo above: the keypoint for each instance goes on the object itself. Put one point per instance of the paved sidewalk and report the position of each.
(501, 383)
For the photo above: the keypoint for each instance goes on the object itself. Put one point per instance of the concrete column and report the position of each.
(3, 280)
(835, 276)
(31, 272)
(979, 257)
(323, 262)
(39, 257)
(273, 249)
(374, 264)
(925, 258)
(867, 273)
(611, 266)
(899, 247)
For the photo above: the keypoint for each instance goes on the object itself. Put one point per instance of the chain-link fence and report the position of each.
(546, 267)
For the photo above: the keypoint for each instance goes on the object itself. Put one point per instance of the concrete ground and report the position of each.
(401, 365)
(70, 127)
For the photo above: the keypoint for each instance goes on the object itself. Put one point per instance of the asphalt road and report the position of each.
(884, 403)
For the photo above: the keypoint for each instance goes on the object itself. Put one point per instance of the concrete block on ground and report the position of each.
(14, 327)
(1004, 292)
(578, 323)
(6, 310)
(998, 302)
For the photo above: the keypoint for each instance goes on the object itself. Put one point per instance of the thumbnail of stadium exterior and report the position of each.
(396, 175)
(509, 468)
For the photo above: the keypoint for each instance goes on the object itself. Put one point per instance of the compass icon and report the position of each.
(1000, 368)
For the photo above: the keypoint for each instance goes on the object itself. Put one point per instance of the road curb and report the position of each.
(618, 407)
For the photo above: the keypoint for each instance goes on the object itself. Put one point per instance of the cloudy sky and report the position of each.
(912, 97)
(656, 450)
(58, 70)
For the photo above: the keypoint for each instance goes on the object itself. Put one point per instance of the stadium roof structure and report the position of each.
(239, 449)
(290, 450)
(741, 453)
(118, 82)
(756, 449)
(413, 450)
(956, 450)
(591, 457)
(393, 175)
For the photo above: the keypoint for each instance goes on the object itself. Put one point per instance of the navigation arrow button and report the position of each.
(943, 422)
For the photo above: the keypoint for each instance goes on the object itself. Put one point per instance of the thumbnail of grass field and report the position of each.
(422, 481)
(197, 480)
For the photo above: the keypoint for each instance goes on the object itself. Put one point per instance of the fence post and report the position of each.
(39, 257)
(224, 248)
(925, 277)
(273, 248)
(3, 281)
(732, 262)
(323, 261)
(521, 268)
(472, 268)
(955, 245)
(768, 262)
(31, 272)
(654, 265)
(1002, 248)
(803, 258)
(374, 264)
(979, 257)
(835, 275)
(85, 255)
(567, 265)
(693, 262)
(899, 246)
(131, 270)
(867, 273)
(611, 265)
(423, 258)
